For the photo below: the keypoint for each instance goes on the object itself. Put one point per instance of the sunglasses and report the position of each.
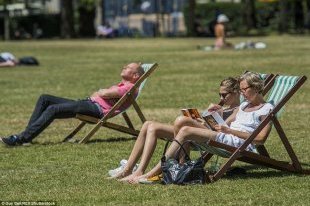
(243, 90)
(223, 95)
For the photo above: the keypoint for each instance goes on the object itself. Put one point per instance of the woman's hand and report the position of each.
(222, 128)
(214, 107)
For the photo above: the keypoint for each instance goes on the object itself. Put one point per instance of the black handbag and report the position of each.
(190, 172)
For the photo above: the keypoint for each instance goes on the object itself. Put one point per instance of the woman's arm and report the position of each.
(227, 130)
(259, 139)
(262, 136)
(232, 117)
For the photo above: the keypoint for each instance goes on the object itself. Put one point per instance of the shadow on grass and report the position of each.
(259, 172)
(72, 141)
(117, 139)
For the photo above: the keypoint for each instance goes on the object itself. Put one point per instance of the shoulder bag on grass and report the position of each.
(191, 172)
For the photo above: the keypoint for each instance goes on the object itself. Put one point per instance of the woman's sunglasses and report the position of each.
(223, 95)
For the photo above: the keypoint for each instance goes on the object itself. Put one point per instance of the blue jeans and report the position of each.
(50, 107)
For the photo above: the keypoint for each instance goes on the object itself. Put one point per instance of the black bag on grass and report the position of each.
(191, 172)
(28, 61)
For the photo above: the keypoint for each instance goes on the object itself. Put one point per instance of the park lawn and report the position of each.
(73, 174)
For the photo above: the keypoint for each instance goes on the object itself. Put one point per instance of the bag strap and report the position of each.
(163, 159)
(193, 144)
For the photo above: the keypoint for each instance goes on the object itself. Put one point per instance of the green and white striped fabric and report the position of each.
(145, 67)
(280, 88)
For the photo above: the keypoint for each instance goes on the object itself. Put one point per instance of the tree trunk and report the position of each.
(299, 22)
(67, 23)
(6, 23)
(191, 17)
(283, 16)
(86, 21)
(249, 14)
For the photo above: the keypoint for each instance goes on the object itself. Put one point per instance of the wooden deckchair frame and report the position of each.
(262, 159)
(103, 122)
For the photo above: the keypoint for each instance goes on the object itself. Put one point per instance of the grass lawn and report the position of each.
(72, 174)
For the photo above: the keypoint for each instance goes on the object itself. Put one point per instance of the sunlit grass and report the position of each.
(73, 174)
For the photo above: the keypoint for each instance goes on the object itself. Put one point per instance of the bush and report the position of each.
(266, 14)
(49, 25)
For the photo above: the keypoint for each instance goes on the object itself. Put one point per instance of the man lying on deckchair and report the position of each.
(50, 107)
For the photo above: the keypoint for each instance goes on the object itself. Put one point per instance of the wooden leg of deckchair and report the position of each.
(262, 150)
(206, 156)
(226, 166)
(287, 145)
(91, 133)
(138, 110)
(76, 130)
(127, 119)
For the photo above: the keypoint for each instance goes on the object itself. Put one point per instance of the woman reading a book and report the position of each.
(242, 122)
(150, 131)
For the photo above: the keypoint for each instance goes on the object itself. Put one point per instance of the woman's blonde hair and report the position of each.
(254, 80)
(231, 84)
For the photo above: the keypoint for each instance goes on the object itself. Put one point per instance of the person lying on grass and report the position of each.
(150, 131)
(242, 123)
(50, 107)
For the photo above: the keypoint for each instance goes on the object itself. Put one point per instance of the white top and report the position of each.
(249, 121)
(7, 56)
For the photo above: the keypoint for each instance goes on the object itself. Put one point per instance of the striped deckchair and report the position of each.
(283, 89)
(103, 122)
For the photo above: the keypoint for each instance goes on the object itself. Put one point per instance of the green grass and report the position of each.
(73, 174)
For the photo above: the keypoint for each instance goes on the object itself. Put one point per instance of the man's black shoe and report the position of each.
(12, 140)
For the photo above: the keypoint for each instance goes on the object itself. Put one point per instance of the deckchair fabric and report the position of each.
(282, 85)
(282, 90)
(103, 122)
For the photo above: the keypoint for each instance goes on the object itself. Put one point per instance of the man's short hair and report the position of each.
(140, 69)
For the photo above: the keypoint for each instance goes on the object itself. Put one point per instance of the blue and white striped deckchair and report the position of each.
(128, 97)
(283, 89)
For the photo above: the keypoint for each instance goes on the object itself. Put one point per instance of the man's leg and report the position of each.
(43, 102)
(59, 111)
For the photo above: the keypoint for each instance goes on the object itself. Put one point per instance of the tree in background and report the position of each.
(283, 16)
(67, 20)
(191, 17)
(87, 14)
(249, 14)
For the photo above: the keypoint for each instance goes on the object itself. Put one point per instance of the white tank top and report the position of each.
(249, 121)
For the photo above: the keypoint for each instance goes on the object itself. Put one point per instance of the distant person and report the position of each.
(220, 35)
(9, 60)
(105, 31)
(220, 32)
(49, 108)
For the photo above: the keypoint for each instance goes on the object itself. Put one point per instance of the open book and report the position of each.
(211, 118)
(191, 112)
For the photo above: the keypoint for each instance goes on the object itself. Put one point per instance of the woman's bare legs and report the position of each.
(136, 151)
(145, 146)
(186, 133)
(182, 121)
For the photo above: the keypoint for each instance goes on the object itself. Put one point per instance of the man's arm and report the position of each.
(107, 93)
